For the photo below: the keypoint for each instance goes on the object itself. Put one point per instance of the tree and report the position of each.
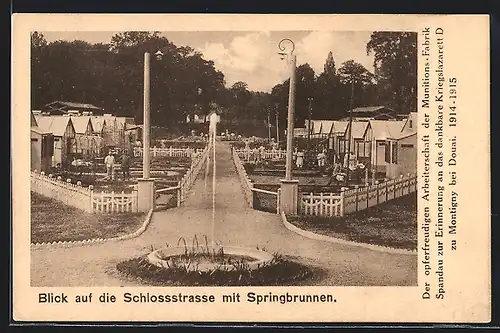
(328, 99)
(305, 89)
(395, 62)
(357, 83)
(329, 68)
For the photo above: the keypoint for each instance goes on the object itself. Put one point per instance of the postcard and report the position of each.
(251, 168)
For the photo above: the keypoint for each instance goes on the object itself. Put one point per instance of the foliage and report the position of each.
(183, 272)
(395, 68)
(184, 83)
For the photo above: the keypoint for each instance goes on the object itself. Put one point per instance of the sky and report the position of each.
(252, 56)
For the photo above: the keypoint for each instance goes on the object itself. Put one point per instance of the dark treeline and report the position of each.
(183, 82)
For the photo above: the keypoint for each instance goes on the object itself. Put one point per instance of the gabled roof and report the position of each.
(411, 116)
(326, 126)
(98, 123)
(55, 124)
(339, 126)
(357, 130)
(321, 126)
(80, 123)
(63, 105)
(371, 109)
(386, 129)
(38, 130)
(33, 120)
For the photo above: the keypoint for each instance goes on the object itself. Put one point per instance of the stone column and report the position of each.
(289, 196)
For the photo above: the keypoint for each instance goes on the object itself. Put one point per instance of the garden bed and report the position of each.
(53, 221)
(278, 273)
(167, 171)
(391, 224)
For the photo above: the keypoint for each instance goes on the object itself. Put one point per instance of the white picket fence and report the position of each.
(81, 197)
(168, 152)
(119, 202)
(364, 197)
(250, 155)
(320, 204)
(245, 181)
(185, 184)
(248, 189)
(357, 199)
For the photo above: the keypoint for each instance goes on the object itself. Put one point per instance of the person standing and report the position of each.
(109, 161)
(125, 165)
(300, 159)
(321, 159)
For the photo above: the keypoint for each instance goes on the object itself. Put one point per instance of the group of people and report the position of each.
(299, 156)
(110, 163)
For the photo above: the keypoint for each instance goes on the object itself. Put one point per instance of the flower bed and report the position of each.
(54, 221)
(279, 272)
(391, 224)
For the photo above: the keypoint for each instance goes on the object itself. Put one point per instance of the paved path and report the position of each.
(235, 224)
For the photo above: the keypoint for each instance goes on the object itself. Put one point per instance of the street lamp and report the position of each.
(284, 53)
(289, 188)
(310, 99)
(145, 185)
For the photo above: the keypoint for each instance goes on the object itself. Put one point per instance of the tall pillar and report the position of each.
(291, 113)
(290, 187)
(146, 122)
(145, 185)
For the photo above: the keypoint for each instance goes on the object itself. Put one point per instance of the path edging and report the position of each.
(56, 244)
(312, 235)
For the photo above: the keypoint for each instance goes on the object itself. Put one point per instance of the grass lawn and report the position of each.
(392, 224)
(54, 221)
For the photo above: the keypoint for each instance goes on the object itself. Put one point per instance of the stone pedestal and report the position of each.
(289, 196)
(145, 194)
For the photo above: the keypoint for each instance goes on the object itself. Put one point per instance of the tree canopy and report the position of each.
(184, 82)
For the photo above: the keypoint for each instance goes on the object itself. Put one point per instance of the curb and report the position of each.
(318, 237)
(61, 244)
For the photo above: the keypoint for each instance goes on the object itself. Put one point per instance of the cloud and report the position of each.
(253, 57)
(314, 49)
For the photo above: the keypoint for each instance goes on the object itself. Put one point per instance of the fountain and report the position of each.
(213, 264)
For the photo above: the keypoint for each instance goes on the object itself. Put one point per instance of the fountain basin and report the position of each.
(208, 260)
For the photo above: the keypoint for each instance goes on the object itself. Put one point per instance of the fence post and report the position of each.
(368, 191)
(342, 201)
(179, 197)
(386, 182)
(278, 201)
(321, 204)
(356, 187)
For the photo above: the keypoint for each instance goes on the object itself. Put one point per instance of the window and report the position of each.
(388, 152)
(362, 149)
(395, 152)
(410, 124)
(34, 140)
(406, 145)
(342, 145)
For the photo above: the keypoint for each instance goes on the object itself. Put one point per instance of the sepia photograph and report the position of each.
(233, 168)
(223, 158)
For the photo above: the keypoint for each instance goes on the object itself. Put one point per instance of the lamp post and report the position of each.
(269, 125)
(351, 105)
(277, 114)
(146, 185)
(146, 135)
(310, 99)
(291, 104)
(289, 187)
